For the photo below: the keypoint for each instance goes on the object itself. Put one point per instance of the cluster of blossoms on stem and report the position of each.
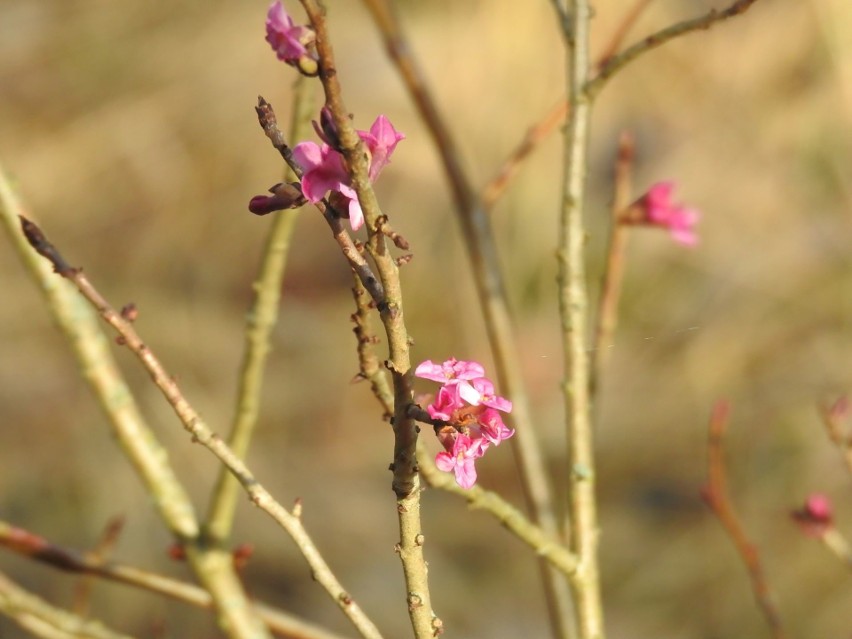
(655, 208)
(468, 405)
(323, 168)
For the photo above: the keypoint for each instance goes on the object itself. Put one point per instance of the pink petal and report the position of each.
(468, 393)
(485, 387)
(381, 141)
(430, 370)
(492, 427)
(323, 170)
(445, 461)
(446, 403)
(285, 38)
(466, 474)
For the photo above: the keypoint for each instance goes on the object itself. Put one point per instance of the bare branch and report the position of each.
(44, 620)
(202, 434)
(717, 496)
(39, 549)
(617, 62)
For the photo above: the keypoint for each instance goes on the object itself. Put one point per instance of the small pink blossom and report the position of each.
(655, 208)
(449, 372)
(485, 395)
(324, 171)
(322, 167)
(461, 460)
(816, 517)
(380, 140)
(492, 427)
(287, 40)
(447, 402)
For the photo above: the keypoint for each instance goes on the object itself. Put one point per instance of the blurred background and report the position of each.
(130, 130)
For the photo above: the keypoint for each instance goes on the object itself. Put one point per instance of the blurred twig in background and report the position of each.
(618, 61)
(43, 620)
(39, 549)
(98, 555)
(262, 318)
(610, 290)
(138, 442)
(201, 433)
(717, 496)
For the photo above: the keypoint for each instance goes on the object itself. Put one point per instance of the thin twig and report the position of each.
(717, 496)
(621, 60)
(614, 271)
(510, 167)
(44, 620)
(620, 32)
(261, 319)
(136, 439)
(39, 549)
(574, 312)
(99, 555)
(370, 367)
(481, 248)
(833, 417)
(202, 434)
(838, 546)
(406, 481)
(513, 519)
(543, 127)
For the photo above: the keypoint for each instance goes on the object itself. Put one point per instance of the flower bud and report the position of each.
(284, 196)
(327, 129)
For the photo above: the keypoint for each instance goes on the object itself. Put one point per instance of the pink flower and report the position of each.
(287, 40)
(324, 171)
(816, 517)
(450, 372)
(484, 394)
(447, 402)
(380, 140)
(461, 460)
(657, 209)
(468, 406)
(492, 427)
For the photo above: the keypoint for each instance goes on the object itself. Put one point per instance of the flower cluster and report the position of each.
(655, 208)
(324, 170)
(468, 404)
(290, 41)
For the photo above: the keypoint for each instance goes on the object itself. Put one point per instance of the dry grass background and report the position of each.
(129, 127)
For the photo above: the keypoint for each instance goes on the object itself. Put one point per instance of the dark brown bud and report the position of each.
(130, 312)
(284, 196)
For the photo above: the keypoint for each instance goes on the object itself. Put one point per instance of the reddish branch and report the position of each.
(716, 495)
(613, 277)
